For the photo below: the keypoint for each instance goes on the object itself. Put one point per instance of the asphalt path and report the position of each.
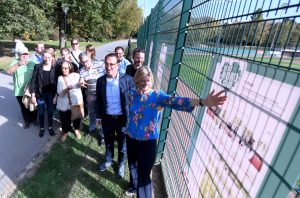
(18, 146)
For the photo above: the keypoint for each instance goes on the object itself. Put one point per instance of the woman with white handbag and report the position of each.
(69, 99)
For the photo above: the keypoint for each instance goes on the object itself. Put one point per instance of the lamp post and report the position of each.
(65, 8)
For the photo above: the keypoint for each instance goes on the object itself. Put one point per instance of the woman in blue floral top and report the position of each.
(144, 106)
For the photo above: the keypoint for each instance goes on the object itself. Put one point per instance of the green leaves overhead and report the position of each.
(92, 19)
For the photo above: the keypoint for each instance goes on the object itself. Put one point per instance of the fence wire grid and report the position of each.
(250, 146)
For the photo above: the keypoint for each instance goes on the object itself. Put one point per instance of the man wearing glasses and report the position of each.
(123, 62)
(75, 51)
(112, 96)
(89, 74)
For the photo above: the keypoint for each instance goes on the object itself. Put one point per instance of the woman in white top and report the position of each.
(68, 82)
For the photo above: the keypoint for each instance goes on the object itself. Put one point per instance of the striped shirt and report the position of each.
(91, 75)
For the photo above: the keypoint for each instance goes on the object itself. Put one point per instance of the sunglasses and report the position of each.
(74, 43)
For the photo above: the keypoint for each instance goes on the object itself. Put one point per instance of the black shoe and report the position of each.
(87, 133)
(42, 132)
(100, 141)
(26, 125)
(35, 123)
(51, 132)
(121, 171)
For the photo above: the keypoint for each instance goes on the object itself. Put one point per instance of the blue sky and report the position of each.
(146, 6)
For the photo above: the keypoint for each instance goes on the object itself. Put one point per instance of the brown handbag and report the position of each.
(77, 111)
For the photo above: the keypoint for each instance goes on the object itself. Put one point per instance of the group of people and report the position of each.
(119, 97)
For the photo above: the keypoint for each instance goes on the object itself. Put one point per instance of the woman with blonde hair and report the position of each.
(68, 89)
(43, 89)
(142, 133)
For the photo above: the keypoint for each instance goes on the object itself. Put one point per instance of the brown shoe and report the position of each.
(77, 134)
(64, 137)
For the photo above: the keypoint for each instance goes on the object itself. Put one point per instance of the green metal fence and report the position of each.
(249, 147)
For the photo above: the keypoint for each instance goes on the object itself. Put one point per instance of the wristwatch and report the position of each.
(200, 102)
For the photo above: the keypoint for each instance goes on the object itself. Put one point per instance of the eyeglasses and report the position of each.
(74, 43)
(85, 62)
(110, 64)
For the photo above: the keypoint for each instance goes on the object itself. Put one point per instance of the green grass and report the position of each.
(5, 62)
(70, 169)
(285, 62)
(194, 70)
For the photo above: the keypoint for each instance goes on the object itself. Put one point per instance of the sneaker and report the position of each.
(104, 166)
(77, 134)
(42, 132)
(121, 171)
(130, 192)
(26, 125)
(51, 132)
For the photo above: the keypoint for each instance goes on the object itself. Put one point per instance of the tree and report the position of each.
(128, 18)
(20, 17)
(94, 19)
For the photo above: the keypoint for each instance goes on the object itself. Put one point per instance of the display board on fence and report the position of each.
(161, 64)
(237, 142)
(150, 53)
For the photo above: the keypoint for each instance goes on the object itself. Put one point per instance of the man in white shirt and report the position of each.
(75, 52)
(19, 45)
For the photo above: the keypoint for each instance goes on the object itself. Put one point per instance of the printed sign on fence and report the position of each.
(161, 64)
(150, 54)
(238, 140)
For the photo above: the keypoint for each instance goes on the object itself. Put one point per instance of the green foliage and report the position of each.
(94, 19)
(25, 19)
(127, 19)
(256, 32)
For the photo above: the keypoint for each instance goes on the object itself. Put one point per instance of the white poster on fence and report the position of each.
(150, 53)
(161, 64)
(238, 139)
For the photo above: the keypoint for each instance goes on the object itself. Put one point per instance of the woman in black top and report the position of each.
(43, 89)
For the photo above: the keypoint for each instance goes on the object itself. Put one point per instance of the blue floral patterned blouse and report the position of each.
(144, 110)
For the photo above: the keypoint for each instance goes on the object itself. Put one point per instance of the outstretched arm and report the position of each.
(211, 100)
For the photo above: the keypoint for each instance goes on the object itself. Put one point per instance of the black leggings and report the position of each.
(65, 119)
(141, 158)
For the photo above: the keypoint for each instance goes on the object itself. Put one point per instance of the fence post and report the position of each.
(175, 69)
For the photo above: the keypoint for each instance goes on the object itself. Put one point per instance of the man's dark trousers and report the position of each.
(111, 125)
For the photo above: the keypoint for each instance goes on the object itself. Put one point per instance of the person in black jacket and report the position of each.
(43, 89)
(138, 61)
(112, 96)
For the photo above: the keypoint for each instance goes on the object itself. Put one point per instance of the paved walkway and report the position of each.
(18, 146)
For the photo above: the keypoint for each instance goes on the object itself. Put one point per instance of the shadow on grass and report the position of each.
(71, 170)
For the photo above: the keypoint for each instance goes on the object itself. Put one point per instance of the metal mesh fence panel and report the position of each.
(250, 146)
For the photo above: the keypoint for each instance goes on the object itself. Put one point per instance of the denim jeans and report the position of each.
(92, 113)
(43, 102)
